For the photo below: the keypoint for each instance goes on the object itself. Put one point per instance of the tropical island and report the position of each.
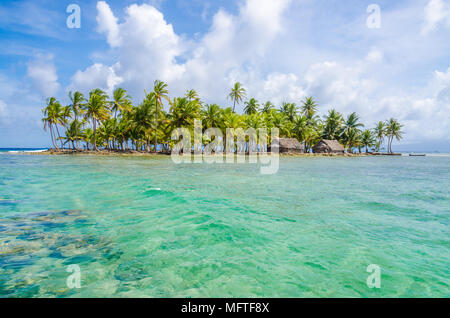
(97, 122)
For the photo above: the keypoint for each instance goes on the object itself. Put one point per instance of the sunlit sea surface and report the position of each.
(145, 227)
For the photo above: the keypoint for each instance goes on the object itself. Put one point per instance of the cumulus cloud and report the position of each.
(235, 45)
(153, 50)
(96, 76)
(436, 12)
(151, 45)
(344, 87)
(107, 23)
(425, 113)
(42, 72)
(280, 87)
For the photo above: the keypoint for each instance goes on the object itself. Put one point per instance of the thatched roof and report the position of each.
(290, 143)
(333, 145)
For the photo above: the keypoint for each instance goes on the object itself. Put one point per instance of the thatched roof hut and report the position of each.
(289, 146)
(328, 146)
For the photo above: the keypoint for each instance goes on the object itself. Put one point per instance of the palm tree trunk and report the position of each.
(389, 145)
(76, 133)
(52, 135)
(95, 139)
(59, 136)
(149, 142)
(156, 125)
(392, 140)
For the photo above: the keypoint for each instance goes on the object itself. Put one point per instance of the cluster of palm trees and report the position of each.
(116, 124)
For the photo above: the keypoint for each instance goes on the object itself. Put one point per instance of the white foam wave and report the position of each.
(27, 151)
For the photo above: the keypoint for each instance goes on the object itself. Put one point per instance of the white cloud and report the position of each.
(233, 50)
(150, 48)
(96, 76)
(441, 94)
(344, 87)
(107, 23)
(374, 56)
(43, 74)
(153, 50)
(283, 87)
(436, 12)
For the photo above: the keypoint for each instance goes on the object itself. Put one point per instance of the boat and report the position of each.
(417, 155)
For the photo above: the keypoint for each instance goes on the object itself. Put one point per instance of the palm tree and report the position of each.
(53, 117)
(290, 110)
(160, 91)
(142, 122)
(351, 130)
(251, 107)
(301, 129)
(281, 121)
(66, 114)
(71, 134)
(333, 125)
(99, 92)
(267, 107)
(183, 112)
(380, 133)
(367, 139)
(309, 108)
(230, 120)
(121, 101)
(212, 116)
(352, 122)
(77, 99)
(108, 132)
(393, 130)
(237, 93)
(192, 95)
(97, 111)
(88, 137)
(352, 138)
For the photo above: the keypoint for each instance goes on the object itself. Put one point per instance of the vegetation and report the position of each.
(101, 122)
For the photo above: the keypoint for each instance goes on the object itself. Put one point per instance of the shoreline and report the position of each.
(134, 153)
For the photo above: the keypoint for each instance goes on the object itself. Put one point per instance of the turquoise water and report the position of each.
(145, 227)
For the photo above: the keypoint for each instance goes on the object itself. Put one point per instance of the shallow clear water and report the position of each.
(145, 227)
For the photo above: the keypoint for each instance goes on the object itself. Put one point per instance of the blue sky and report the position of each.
(280, 50)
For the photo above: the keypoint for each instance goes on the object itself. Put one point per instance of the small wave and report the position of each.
(27, 151)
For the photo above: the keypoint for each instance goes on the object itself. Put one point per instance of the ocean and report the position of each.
(146, 227)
